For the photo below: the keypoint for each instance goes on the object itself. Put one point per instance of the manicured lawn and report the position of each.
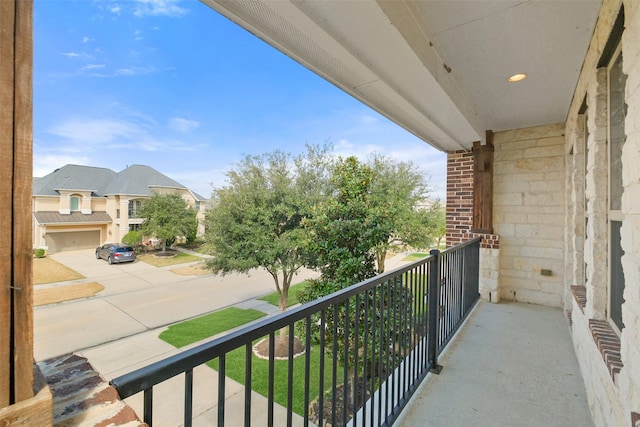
(180, 258)
(272, 298)
(260, 375)
(415, 256)
(197, 329)
(188, 332)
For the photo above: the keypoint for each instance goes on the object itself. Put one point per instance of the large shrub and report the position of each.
(132, 238)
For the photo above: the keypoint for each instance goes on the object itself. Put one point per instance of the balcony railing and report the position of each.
(365, 349)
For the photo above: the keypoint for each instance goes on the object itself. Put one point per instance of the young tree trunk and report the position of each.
(380, 257)
(283, 300)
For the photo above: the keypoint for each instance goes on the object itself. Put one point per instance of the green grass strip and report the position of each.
(235, 365)
(273, 299)
(194, 330)
(415, 256)
(197, 329)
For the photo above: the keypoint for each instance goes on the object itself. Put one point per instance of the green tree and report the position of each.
(255, 220)
(426, 227)
(344, 228)
(341, 236)
(167, 216)
(396, 190)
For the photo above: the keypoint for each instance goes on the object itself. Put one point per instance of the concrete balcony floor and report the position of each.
(512, 364)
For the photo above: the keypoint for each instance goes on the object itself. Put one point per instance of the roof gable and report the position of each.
(140, 180)
(74, 177)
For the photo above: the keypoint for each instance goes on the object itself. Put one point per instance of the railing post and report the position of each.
(433, 313)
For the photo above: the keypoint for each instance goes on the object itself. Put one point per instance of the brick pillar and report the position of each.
(460, 172)
(459, 196)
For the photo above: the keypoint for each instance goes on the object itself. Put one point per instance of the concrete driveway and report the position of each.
(138, 297)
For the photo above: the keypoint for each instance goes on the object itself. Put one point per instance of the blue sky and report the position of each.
(174, 85)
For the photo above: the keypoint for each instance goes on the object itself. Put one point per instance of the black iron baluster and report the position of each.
(323, 325)
(290, 378)
(148, 406)
(345, 367)
(270, 392)
(222, 374)
(188, 398)
(334, 373)
(307, 369)
(248, 358)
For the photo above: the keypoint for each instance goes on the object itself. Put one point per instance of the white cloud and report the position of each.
(134, 71)
(85, 133)
(80, 55)
(92, 67)
(86, 39)
(43, 165)
(125, 129)
(201, 181)
(158, 7)
(180, 124)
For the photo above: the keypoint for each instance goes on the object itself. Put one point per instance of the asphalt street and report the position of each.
(137, 298)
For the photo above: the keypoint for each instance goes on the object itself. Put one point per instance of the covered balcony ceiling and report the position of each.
(437, 68)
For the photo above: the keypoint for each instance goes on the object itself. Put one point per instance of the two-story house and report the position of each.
(81, 207)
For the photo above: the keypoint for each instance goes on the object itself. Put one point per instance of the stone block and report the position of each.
(508, 199)
(545, 149)
(547, 198)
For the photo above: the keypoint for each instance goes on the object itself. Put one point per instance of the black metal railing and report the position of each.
(365, 349)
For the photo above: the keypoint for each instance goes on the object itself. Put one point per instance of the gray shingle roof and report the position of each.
(136, 180)
(139, 180)
(74, 177)
(55, 217)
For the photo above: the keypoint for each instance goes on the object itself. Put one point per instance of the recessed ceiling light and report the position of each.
(517, 77)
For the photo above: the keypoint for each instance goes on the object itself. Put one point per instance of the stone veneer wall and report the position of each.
(612, 380)
(630, 338)
(529, 204)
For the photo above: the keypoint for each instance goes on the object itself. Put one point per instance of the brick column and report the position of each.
(460, 172)
(459, 196)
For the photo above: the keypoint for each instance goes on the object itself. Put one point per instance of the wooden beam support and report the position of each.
(7, 95)
(22, 197)
(483, 186)
(16, 177)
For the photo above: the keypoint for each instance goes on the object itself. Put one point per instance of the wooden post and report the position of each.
(16, 177)
(483, 186)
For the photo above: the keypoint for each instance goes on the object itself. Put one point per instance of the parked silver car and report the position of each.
(116, 252)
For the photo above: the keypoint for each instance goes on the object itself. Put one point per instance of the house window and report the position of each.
(616, 138)
(197, 205)
(134, 208)
(74, 203)
(134, 227)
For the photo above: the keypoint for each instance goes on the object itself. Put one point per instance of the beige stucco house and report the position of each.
(81, 207)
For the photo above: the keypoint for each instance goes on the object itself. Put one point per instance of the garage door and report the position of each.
(73, 240)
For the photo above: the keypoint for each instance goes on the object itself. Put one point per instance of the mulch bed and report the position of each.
(281, 349)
